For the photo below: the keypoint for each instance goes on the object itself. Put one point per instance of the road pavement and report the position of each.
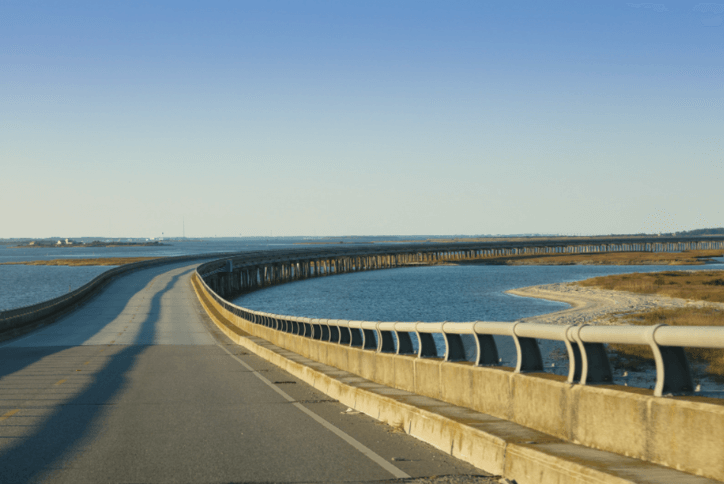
(138, 385)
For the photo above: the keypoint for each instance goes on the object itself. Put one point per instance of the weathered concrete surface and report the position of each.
(674, 432)
(137, 386)
(491, 443)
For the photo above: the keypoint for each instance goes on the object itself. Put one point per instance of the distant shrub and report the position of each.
(715, 282)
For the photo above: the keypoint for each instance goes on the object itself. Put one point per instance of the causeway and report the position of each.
(138, 385)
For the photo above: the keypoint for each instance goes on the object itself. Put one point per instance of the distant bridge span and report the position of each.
(251, 271)
(133, 382)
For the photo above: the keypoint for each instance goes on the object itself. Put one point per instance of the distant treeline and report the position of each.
(53, 244)
(713, 231)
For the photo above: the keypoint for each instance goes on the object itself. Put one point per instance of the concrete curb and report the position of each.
(489, 443)
(18, 321)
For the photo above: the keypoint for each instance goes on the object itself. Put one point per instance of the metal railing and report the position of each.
(585, 344)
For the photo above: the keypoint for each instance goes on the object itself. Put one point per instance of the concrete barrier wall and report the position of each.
(18, 319)
(684, 433)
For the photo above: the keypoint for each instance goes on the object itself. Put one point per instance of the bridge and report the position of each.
(149, 374)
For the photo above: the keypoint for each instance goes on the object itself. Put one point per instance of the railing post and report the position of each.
(486, 350)
(529, 358)
(316, 331)
(368, 339)
(454, 349)
(356, 334)
(325, 330)
(345, 335)
(595, 367)
(426, 343)
(673, 374)
(404, 343)
(386, 343)
(575, 362)
(333, 333)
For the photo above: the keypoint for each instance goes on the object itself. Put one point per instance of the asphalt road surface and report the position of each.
(139, 386)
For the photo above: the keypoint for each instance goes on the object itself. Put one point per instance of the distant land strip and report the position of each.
(707, 286)
(693, 257)
(689, 257)
(100, 261)
(94, 245)
(514, 238)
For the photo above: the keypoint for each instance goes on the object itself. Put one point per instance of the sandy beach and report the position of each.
(598, 306)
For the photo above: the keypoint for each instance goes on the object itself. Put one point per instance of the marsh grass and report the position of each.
(699, 285)
(101, 261)
(694, 257)
(712, 358)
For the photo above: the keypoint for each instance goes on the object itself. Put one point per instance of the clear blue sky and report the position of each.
(366, 117)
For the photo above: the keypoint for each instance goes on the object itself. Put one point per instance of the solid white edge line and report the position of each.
(374, 457)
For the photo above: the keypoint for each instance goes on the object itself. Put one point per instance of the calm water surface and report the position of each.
(429, 294)
(436, 293)
(454, 293)
(26, 285)
(22, 285)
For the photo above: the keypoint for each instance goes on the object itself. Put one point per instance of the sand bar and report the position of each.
(599, 306)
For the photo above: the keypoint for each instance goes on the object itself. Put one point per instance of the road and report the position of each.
(138, 385)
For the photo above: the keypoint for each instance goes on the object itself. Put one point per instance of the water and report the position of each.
(435, 293)
(172, 249)
(455, 293)
(429, 293)
(22, 285)
(26, 285)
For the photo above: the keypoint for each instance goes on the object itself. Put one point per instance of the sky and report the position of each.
(251, 118)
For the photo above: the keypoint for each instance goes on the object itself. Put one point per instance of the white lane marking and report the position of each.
(374, 457)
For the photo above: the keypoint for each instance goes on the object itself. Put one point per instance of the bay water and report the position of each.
(424, 293)
(456, 293)
(23, 285)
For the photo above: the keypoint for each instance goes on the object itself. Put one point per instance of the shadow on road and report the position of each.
(72, 425)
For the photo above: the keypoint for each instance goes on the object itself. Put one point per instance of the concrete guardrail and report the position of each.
(667, 425)
(18, 320)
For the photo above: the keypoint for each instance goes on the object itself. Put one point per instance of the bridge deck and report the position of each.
(138, 385)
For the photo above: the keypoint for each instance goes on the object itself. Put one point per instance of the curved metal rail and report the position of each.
(585, 344)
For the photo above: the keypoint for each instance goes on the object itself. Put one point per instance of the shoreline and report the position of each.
(605, 259)
(598, 306)
(83, 262)
(89, 246)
